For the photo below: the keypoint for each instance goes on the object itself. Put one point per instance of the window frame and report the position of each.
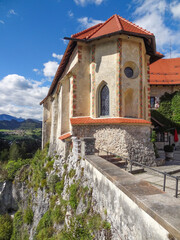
(100, 100)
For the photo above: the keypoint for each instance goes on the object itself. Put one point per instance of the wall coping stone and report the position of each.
(159, 205)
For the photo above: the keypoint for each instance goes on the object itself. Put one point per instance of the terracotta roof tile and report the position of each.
(113, 24)
(97, 121)
(64, 136)
(165, 72)
(83, 34)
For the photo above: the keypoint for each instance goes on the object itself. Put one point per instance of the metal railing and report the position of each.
(165, 174)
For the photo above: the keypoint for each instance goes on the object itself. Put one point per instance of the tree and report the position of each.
(14, 151)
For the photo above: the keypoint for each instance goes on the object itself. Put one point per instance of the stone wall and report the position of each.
(135, 209)
(128, 141)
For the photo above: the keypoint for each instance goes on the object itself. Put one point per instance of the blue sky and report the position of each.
(31, 41)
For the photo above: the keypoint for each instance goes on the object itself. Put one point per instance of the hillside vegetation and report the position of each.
(54, 202)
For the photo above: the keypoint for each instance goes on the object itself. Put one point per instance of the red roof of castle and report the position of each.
(64, 136)
(114, 25)
(97, 121)
(165, 72)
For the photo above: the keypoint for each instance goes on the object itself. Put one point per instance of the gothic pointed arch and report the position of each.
(103, 99)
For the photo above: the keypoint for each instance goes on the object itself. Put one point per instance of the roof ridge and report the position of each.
(118, 22)
(86, 30)
(135, 25)
(90, 35)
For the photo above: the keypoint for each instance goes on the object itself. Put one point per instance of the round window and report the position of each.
(128, 72)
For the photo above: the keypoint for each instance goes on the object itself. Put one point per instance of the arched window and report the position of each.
(104, 101)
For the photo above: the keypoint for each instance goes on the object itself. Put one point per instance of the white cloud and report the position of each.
(50, 68)
(151, 15)
(85, 2)
(15, 82)
(86, 22)
(1, 21)
(70, 14)
(175, 9)
(21, 97)
(58, 56)
(64, 41)
(36, 70)
(11, 12)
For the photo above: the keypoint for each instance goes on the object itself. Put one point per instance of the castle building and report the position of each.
(164, 77)
(102, 89)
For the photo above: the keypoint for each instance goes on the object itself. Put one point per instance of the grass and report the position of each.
(5, 130)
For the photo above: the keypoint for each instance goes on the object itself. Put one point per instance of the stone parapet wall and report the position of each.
(127, 141)
(135, 209)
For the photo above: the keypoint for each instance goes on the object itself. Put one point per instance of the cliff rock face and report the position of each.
(7, 202)
(55, 202)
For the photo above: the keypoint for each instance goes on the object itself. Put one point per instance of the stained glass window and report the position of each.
(104, 97)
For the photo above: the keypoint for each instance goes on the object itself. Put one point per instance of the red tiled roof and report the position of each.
(86, 32)
(165, 72)
(112, 25)
(64, 136)
(97, 121)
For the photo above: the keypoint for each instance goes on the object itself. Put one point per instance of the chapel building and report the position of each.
(102, 90)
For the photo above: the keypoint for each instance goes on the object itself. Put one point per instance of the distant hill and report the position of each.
(13, 123)
(5, 117)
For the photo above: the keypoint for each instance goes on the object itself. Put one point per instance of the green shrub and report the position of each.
(170, 106)
(95, 222)
(28, 215)
(44, 229)
(6, 227)
(49, 165)
(17, 225)
(65, 166)
(13, 166)
(106, 225)
(73, 199)
(45, 234)
(176, 107)
(43, 183)
(43, 173)
(58, 215)
(53, 179)
(59, 187)
(72, 172)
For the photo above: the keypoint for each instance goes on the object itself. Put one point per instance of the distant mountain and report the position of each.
(18, 123)
(5, 117)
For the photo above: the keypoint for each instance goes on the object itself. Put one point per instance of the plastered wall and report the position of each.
(109, 58)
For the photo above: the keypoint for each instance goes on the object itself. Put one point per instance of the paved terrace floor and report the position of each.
(171, 167)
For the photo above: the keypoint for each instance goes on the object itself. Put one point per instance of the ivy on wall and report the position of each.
(168, 113)
(170, 106)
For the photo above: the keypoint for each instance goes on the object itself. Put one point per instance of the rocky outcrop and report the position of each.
(8, 204)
